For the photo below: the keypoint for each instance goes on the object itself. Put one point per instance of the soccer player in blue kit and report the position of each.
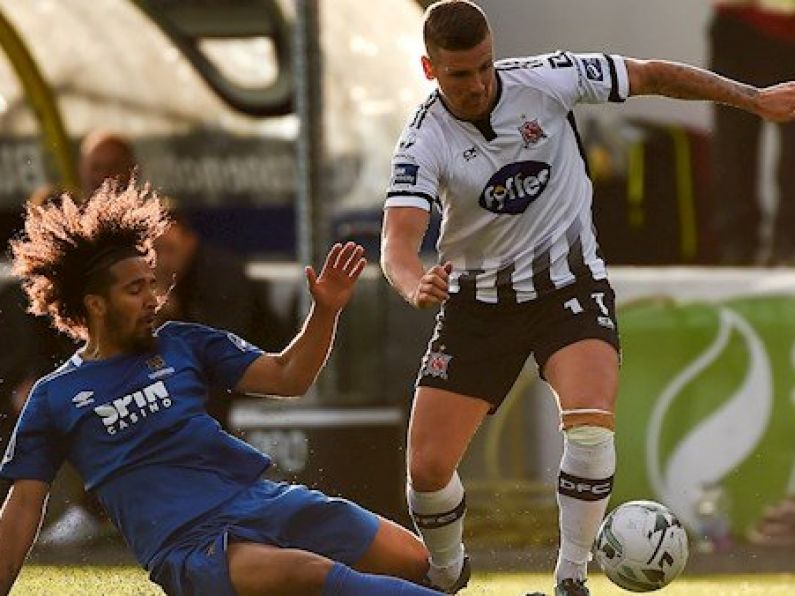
(128, 411)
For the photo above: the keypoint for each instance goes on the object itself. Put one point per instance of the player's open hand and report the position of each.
(433, 286)
(777, 103)
(333, 287)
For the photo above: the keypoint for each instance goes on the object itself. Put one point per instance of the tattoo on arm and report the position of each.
(682, 81)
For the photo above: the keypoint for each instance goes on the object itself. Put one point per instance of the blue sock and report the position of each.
(344, 581)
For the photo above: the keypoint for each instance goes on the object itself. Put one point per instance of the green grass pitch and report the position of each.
(39, 580)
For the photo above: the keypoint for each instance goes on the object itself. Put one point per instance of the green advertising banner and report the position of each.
(707, 398)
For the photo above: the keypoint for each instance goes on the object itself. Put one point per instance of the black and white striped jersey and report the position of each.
(514, 190)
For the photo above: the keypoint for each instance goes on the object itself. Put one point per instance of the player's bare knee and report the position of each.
(429, 472)
(410, 561)
(416, 559)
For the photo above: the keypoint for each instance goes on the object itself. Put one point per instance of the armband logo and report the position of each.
(405, 173)
(593, 69)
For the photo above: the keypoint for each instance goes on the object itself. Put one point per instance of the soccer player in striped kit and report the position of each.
(496, 149)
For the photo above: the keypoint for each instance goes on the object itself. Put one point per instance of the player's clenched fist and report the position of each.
(433, 287)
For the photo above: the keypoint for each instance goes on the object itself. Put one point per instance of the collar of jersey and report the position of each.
(485, 123)
(78, 360)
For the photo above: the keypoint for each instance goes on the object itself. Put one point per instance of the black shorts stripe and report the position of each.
(584, 489)
(439, 520)
(611, 65)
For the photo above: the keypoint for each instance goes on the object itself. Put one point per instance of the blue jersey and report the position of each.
(136, 429)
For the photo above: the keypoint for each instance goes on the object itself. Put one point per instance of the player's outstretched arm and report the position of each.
(682, 81)
(404, 229)
(20, 519)
(293, 371)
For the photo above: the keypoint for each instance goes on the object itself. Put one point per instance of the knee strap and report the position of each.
(592, 417)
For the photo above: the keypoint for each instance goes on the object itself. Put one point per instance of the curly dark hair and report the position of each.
(65, 250)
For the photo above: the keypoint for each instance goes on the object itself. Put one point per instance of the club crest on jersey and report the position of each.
(436, 365)
(531, 132)
(158, 367)
(514, 187)
(155, 363)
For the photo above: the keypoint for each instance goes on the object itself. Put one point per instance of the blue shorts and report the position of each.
(193, 562)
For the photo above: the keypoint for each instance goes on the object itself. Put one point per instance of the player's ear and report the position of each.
(95, 305)
(427, 68)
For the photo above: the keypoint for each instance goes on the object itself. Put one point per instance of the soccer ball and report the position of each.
(641, 546)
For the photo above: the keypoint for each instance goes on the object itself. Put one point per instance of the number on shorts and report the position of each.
(576, 308)
(599, 298)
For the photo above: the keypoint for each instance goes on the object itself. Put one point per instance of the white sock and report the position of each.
(439, 518)
(584, 486)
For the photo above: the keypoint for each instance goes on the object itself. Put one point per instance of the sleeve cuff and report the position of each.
(621, 78)
(410, 201)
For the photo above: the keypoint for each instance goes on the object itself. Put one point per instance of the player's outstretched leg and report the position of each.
(344, 581)
(264, 569)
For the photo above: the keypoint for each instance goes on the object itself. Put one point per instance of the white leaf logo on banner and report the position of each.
(722, 441)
